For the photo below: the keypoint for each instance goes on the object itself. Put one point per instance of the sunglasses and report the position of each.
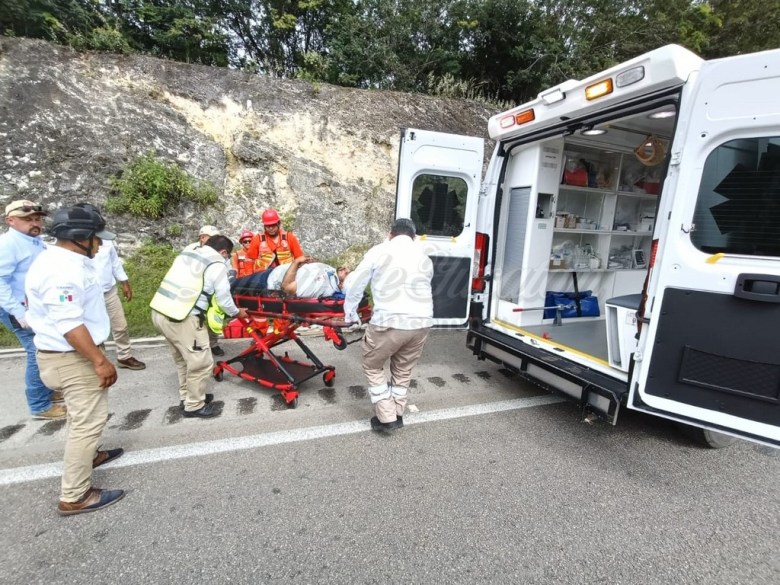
(27, 209)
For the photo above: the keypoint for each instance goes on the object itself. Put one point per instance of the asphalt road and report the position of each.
(491, 481)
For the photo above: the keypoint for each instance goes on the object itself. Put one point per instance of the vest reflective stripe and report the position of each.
(181, 286)
(267, 256)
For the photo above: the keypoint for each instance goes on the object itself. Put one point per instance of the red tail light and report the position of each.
(480, 261)
(653, 252)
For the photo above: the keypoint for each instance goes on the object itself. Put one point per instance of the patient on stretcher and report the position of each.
(303, 277)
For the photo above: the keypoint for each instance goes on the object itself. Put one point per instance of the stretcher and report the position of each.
(261, 362)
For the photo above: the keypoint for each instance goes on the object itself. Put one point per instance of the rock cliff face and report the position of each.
(324, 156)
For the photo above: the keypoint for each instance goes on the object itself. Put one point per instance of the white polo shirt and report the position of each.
(312, 280)
(400, 275)
(109, 266)
(63, 292)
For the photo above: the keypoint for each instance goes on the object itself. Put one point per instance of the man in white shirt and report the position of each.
(68, 314)
(179, 312)
(19, 246)
(400, 274)
(110, 270)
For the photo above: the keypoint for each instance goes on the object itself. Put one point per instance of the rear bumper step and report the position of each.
(594, 391)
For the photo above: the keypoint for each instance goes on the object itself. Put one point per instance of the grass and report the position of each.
(145, 268)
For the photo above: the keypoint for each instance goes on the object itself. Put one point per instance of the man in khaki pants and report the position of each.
(68, 314)
(400, 274)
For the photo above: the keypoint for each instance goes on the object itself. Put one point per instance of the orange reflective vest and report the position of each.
(242, 264)
(269, 252)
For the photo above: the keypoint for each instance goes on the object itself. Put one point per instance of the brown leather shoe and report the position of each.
(57, 397)
(103, 457)
(94, 499)
(131, 364)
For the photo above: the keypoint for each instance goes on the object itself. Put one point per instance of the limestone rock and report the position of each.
(324, 156)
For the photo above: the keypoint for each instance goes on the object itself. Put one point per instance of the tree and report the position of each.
(746, 26)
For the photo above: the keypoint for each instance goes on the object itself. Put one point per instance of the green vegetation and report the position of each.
(8, 339)
(149, 187)
(146, 268)
(494, 51)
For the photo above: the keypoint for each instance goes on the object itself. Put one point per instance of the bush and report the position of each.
(104, 39)
(149, 187)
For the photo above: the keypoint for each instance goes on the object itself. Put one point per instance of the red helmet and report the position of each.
(271, 217)
(245, 235)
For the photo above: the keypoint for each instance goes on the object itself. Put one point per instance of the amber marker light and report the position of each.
(525, 117)
(599, 89)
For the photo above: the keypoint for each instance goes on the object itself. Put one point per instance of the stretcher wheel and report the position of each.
(341, 343)
(329, 378)
(219, 376)
(294, 403)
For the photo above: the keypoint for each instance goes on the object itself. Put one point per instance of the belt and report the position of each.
(101, 346)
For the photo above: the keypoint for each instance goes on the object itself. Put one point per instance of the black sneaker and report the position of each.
(209, 398)
(205, 411)
(217, 350)
(387, 427)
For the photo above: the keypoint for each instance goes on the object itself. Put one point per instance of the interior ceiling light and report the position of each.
(593, 131)
(662, 114)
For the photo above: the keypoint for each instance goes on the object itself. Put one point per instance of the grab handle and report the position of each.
(758, 287)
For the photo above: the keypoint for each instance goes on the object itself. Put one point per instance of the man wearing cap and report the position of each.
(68, 313)
(19, 246)
(242, 265)
(205, 233)
(274, 246)
(203, 236)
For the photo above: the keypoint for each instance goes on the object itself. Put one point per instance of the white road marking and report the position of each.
(49, 470)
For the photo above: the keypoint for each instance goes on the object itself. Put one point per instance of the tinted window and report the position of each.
(438, 205)
(738, 206)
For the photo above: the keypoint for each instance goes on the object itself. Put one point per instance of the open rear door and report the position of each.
(438, 187)
(710, 355)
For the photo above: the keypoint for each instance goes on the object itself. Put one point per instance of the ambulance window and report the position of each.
(438, 205)
(738, 206)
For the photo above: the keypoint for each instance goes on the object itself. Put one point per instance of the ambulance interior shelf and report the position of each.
(604, 212)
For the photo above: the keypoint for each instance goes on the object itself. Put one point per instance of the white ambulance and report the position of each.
(623, 247)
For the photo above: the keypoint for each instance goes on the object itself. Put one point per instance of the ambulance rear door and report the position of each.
(438, 188)
(708, 352)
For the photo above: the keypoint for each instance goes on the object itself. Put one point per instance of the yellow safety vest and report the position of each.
(181, 286)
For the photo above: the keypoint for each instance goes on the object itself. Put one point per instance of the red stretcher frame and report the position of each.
(259, 363)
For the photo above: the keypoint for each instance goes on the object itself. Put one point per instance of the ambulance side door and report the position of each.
(709, 353)
(438, 187)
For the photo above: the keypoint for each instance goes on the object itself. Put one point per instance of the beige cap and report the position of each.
(23, 208)
(208, 230)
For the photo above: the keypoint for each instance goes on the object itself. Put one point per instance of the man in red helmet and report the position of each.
(274, 246)
(243, 265)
